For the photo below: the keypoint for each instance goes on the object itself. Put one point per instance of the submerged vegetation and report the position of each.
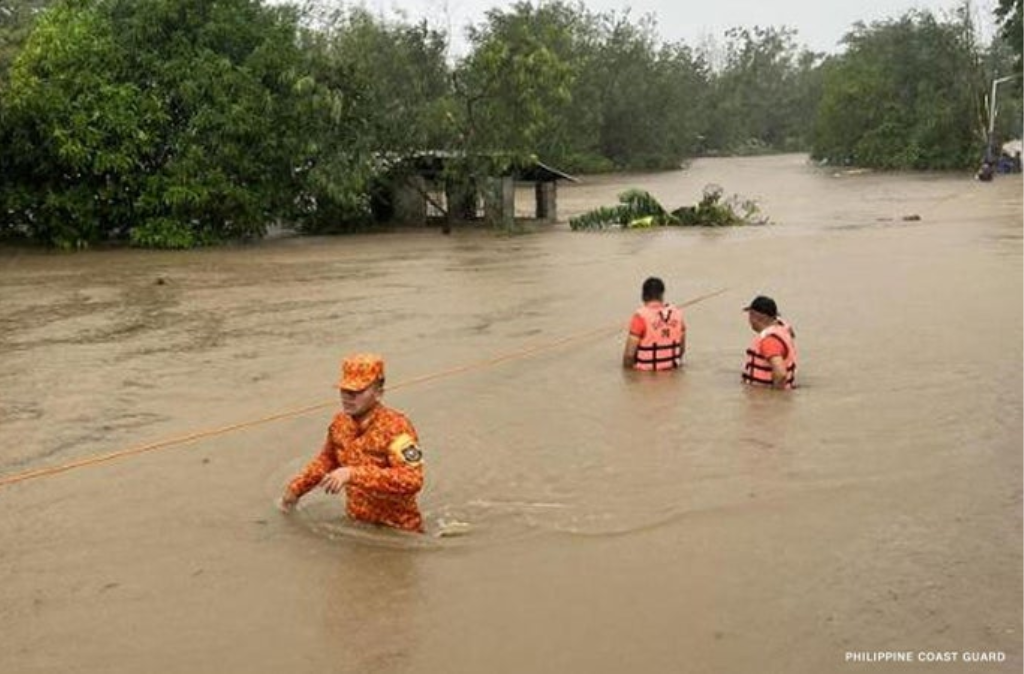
(181, 123)
(637, 209)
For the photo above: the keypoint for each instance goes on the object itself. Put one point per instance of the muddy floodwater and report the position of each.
(609, 522)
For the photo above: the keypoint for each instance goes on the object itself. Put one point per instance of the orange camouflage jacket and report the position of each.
(387, 472)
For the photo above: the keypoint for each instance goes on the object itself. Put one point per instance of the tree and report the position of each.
(515, 86)
(652, 95)
(1011, 24)
(386, 88)
(70, 127)
(16, 20)
(169, 122)
(765, 95)
(905, 95)
(580, 89)
(401, 73)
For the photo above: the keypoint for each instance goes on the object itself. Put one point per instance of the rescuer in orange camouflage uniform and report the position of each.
(370, 451)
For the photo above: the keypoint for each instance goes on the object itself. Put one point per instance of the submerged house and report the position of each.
(446, 188)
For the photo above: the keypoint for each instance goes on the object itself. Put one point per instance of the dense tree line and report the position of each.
(1011, 23)
(908, 93)
(175, 123)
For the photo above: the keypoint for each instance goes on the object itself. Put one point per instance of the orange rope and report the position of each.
(141, 449)
(211, 432)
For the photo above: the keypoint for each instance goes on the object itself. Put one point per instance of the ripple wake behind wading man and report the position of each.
(657, 332)
(370, 451)
(771, 356)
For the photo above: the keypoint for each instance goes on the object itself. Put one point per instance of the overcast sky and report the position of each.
(819, 23)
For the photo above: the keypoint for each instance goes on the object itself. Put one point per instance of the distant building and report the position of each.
(446, 188)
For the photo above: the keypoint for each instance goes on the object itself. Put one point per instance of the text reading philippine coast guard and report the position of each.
(925, 656)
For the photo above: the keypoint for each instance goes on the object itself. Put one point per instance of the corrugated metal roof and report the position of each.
(432, 163)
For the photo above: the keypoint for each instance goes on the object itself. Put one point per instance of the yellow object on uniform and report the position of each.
(403, 450)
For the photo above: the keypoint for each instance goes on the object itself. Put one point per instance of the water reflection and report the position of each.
(371, 610)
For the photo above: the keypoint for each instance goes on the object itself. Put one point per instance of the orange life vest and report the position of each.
(661, 347)
(757, 369)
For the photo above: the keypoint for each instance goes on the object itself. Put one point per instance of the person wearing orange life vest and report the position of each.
(771, 356)
(657, 332)
(370, 451)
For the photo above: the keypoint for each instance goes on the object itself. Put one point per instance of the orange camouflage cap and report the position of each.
(360, 370)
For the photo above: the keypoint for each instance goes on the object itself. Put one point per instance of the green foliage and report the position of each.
(600, 217)
(905, 95)
(376, 89)
(712, 211)
(16, 20)
(166, 233)
(1011, 27)
(765, 94)
(638, 204)
(170, 116)
(637, 209)
(581, 90)
(70, 127)
(401, 77)
(515, 87)
(586, 163)
(653, 98)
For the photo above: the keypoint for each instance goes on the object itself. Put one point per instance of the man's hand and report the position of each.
(287, 502)
(335, 480)
(629, 351)
(779, 373)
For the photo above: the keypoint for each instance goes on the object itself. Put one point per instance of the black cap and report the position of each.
(763, 305)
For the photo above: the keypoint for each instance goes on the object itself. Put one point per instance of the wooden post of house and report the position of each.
(410, 204)
(500, 201)
(462, 198)
(546, 195)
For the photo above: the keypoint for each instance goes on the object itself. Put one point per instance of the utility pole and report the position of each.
(989, 152)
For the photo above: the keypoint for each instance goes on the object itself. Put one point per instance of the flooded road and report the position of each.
(678, 523)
